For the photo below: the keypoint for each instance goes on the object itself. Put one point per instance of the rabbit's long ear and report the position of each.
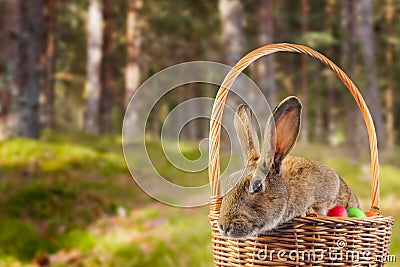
(247, 134)
(281, 131)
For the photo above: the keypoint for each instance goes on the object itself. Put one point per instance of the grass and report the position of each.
(69, 199)
(73, 194)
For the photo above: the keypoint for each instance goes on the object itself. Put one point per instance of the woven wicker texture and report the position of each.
(305, 241)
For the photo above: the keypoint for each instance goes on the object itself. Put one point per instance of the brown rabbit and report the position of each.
(273, 188)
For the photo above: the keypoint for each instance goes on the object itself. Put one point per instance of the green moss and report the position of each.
(63, 193)
(21, 240)
(128, 255)
(53, 203)
(77, 239)
(389, 180)
(38, 157)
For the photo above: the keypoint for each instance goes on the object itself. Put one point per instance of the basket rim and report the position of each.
(213, 216)
(335, 218)
(220, 99)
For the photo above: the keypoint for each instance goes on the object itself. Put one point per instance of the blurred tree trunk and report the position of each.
(10, 58)
(331, 108)
(349, 60)
(107, 66)
(193, 128)
(5, 112)
(134, 38)
(304, 134)
(48, 61)
(390, 129)
(196, 124)
(231, 12)
(368, 55)
(30, 68)
(94, 58)
(232, 37)
(132, 76)
(266, 66)
(348, 32)
(184, 115)
(201, 123)
(317, 128)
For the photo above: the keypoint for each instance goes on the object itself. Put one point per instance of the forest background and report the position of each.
(69, 68)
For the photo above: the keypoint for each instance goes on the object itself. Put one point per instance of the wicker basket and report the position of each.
(304, 241)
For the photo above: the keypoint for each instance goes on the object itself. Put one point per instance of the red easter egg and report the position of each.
(337, 211)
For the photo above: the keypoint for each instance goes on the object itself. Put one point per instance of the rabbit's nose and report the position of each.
(224, 229)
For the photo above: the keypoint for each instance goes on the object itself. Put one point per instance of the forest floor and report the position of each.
(68, 200)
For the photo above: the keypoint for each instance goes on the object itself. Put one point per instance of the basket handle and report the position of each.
(216, 116)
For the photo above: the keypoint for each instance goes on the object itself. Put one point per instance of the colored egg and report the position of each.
(356, 213)
(371, 213)
(337, 211)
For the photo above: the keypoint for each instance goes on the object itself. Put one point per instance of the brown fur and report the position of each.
(288, 186)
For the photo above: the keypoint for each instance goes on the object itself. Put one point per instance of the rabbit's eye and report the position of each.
(256, 187)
